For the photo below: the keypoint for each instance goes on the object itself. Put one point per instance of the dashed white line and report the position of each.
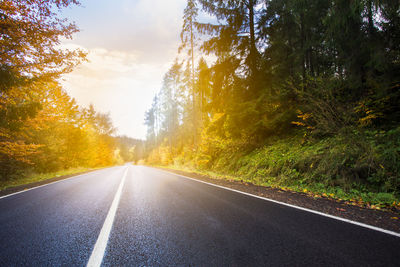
(100, 247)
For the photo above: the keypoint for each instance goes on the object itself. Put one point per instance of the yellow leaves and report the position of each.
(305, 190)
(32, 31)
(375, 207)
(4, 134)
(367, 119)
(369, 114)
(19, 150)
(304, 118)
(394, 218)
(217, 116)
(298, 123)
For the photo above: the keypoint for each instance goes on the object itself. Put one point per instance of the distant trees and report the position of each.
(60, 135)
(281, 68)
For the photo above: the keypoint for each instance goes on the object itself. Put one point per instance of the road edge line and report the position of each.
(29, 189)
(289, 205)
(96, 257)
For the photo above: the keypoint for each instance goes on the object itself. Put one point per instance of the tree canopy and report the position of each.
(280, 69)
(41, 127)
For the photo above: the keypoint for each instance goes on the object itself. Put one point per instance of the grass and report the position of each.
(372, 200)
(360, 168)
(32, 178)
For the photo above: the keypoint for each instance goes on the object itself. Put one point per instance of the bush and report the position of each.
(367, 161)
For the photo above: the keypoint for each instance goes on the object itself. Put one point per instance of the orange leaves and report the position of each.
(304, 117)
(30, 36)
(19, 150)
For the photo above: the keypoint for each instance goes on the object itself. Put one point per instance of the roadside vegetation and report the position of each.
(43, 132)
(29, 178)
(301, 95)
(331, 168)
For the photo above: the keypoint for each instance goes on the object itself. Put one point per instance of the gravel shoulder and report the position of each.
(389, 220)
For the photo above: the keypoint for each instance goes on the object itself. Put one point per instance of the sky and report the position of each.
(130, 45)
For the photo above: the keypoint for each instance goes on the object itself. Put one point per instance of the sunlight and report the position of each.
(125, 68)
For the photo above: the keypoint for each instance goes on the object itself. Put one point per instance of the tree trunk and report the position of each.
(253, 48)
(302, 39)
(193, 86)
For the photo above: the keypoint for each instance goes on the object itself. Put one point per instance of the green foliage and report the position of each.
(352, 161)
(348, 166)
(302, 94)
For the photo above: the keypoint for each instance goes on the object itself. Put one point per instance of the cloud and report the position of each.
(150, 28)
(115, 82)
(131, 44)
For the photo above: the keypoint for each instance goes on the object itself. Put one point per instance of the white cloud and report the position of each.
(131, 44)
(114, 82)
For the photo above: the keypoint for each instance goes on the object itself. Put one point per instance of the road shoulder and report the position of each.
(389, 220)
(19, 188)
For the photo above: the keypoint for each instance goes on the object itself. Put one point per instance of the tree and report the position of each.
(30, 60)
(282, 68)
(30, 33)
(236, 37)
(203, 89)
(188, 39)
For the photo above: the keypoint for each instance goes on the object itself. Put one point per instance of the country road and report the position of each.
(140, 216)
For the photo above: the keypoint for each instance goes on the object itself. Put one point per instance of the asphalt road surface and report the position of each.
(139, 216)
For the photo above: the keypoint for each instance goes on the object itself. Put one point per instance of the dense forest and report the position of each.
(42, 129)
(297, 93)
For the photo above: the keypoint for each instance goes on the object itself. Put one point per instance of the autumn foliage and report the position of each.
(42, 129)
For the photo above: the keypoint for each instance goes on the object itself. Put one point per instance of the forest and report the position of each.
(42, 129)
(294, 94)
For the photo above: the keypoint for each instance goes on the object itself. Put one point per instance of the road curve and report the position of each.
(162, 219)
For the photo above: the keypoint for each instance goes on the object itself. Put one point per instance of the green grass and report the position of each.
(372, 200)
(32, 178)
(361, 168)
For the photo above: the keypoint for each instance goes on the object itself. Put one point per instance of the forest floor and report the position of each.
(387, 219)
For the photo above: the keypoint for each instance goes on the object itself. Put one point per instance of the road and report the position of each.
(157, 218)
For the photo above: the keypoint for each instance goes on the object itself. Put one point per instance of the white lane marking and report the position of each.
(292, 206)
(29, 189)
(100, 247)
